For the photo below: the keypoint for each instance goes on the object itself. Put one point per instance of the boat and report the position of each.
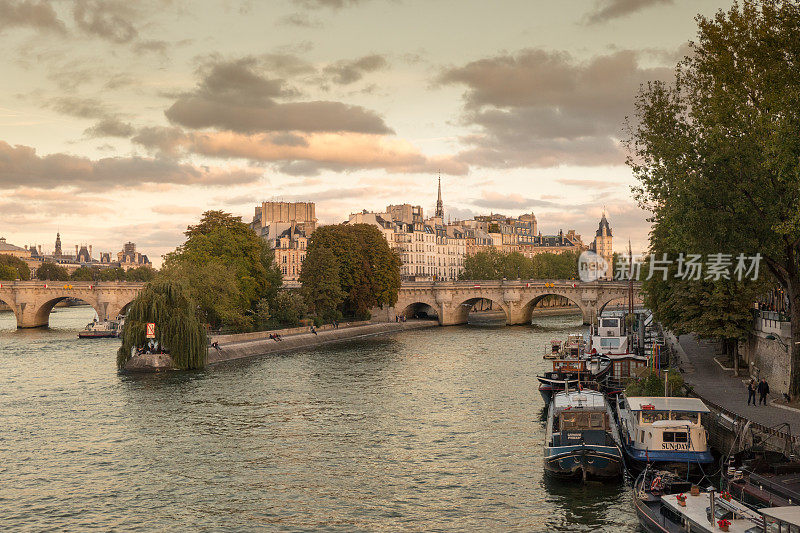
(665, 432)
(572, 373)
(582, 440)
(665, 503)
(608, 337)
(100, 329)
(762, 478)
(555, 350)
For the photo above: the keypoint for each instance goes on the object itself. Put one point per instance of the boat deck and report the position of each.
(696, 510)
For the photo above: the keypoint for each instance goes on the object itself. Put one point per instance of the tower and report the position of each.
(57, 253)
(439, 204)
(602, 242)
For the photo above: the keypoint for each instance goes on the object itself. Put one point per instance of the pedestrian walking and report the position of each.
(763, 390)
(751, 392)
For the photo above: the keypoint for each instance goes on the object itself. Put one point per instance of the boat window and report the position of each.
(687, 416)
(610, 323)
(673, 436)
(609, 342)
(597, 420)
(642, 439)
(648, 417)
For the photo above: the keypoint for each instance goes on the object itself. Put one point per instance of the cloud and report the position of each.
(110, 127)
(589, 184)
(300, 153)
(301, 20)
(346, 72)
(332, 4)
(540, 108)
(22, 166)
(109, 124)
(494, 200)
(233, 95)
(108, 19)
(606, 10)
(39, 15)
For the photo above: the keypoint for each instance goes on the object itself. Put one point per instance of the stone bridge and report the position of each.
(32, 301)
(452, 301)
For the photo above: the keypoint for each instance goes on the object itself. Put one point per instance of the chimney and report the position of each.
(76, 250)
(90, 252)
(40, 249)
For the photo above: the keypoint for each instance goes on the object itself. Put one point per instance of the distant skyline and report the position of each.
(124, 121)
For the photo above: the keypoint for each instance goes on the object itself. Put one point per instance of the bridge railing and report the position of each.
(70, 284)
(517, 283)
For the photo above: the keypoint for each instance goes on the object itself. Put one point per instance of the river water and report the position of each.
(428, 430)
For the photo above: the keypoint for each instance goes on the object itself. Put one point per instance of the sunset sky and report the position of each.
(124, 120)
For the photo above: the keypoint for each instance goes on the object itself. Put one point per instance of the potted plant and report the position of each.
(681, 499)
(723, 524)
(726, 495)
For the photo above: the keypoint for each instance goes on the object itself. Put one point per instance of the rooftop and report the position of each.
(660, 403)
(589, 400)
(5, 247)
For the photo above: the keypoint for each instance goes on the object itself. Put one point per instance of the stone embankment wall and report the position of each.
(253, 344)
(768, 359)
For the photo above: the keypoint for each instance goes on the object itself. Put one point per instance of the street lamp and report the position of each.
(772, 337)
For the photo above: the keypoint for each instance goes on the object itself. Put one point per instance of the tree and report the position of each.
(485, 264)
(493, 264)
(167, 304)
(48, 271)
(142, 273)
(717, 153)
(112, 274)
(320, 283)
(289, 308)
(23, 272)
(8, 273)
(82, 274)
(369, 271)
(225, 248)
(214, 289)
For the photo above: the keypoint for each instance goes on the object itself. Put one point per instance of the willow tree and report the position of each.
(717, 152)
(167, 304)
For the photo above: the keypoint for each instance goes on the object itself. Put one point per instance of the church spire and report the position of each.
(439, 204)
(57, 252)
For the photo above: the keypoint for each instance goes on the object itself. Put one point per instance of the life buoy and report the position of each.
(656, 484)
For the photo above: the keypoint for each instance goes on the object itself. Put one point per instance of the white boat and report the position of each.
(665, 432)
(609, 337)
(667, 505)
(100, 329)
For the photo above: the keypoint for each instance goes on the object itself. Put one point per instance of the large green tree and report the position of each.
(23, 272)
(8, 273)
(369, 270)
(49, 271)
(717, 152)
(167, 304)
(220, 251)
(321, 287)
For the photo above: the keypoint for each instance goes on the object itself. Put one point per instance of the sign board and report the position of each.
(151, 330)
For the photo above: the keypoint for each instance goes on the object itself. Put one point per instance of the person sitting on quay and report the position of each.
(751, 392)
(763, 390)
(313, 330)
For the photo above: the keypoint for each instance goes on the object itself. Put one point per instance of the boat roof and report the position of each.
(587, 399)
(660, 403)
(696, 506)
(789, 513)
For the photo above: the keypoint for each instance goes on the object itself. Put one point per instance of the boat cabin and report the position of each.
(569, 365)
(663, 424)
(609, 337)
(627, 365)
(581, 416)
(781, 519)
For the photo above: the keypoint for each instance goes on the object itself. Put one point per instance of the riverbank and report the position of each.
(231, 347)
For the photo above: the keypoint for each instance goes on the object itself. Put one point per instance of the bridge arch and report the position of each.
(527, 309)
(7, 299)
(463, 306)
(42, 314)
(418, 307)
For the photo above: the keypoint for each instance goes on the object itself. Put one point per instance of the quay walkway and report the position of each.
(716, 385)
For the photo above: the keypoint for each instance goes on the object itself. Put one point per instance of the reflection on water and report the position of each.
(426, 430)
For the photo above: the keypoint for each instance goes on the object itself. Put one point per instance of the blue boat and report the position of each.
(664, 432)
(582, 437)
